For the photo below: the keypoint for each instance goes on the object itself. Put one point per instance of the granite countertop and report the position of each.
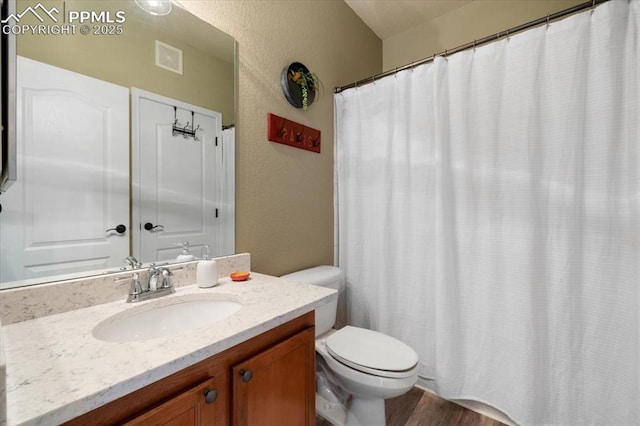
(57, 370)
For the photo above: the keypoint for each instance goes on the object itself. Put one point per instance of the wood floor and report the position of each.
(419, 408)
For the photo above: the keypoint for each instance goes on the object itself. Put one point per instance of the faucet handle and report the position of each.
(166, 278)
(136, 287)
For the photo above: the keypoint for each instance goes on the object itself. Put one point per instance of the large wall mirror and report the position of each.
(125, 139)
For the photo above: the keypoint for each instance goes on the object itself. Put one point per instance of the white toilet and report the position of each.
(367, 365)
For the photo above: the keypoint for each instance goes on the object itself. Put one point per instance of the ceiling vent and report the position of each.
(168, 57)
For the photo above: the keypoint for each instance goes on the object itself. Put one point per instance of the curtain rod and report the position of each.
(550, 17)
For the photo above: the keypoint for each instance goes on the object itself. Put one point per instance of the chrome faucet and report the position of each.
(152, 284)
(158, 284)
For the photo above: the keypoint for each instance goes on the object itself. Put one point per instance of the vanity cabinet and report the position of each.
(267, 389)
(267, 380)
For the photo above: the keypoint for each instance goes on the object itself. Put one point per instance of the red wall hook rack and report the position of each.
(290, 133)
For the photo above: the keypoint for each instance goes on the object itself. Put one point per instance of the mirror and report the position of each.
(125, 137)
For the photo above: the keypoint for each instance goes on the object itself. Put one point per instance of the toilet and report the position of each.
(362, 366)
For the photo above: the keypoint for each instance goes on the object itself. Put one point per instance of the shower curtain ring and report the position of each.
(548, 18)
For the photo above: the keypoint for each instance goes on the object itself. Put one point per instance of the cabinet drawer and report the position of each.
(195, 406)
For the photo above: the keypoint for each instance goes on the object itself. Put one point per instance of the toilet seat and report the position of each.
(372, 352)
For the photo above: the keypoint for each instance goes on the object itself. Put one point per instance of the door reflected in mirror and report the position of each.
(125, 142)
(182, 178)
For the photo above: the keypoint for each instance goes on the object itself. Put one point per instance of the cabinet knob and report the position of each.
(246, 375)
(210, 395)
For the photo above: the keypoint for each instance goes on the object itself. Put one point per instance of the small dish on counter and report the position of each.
(240, 276)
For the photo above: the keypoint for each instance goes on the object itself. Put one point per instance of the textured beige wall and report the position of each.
(285, 195)
(475, 20)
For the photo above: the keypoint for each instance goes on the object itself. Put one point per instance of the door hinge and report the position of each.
(216, 212)
(216, 141)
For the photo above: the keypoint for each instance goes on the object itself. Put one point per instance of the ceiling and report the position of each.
(391, 17)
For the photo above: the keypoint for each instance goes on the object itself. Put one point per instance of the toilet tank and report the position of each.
(324, 276)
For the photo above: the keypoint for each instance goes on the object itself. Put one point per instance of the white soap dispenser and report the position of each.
(185, 256)
(207, 271)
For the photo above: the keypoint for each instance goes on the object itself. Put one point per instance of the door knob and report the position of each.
(246, 375)
(150, 227)
(120, 229)
(210, 395)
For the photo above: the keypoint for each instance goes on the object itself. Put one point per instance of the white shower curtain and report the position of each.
(488, 215)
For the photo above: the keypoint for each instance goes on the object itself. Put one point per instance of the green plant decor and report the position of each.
(307, 81)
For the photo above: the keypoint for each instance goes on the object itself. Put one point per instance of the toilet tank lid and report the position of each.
(320, 275)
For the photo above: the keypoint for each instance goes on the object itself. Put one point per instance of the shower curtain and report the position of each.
(488, 214)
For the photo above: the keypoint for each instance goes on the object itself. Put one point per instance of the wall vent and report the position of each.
(168, 57)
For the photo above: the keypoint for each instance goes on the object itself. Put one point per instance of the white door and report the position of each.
(73, 175)
(174, 177)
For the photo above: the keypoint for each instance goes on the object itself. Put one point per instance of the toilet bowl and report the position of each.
(367, 365)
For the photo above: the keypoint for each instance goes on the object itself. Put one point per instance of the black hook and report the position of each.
(300, 135)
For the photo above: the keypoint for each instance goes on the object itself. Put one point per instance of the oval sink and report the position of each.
(150, 322)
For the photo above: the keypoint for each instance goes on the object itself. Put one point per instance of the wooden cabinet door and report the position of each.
(277, 386)
(194, 407)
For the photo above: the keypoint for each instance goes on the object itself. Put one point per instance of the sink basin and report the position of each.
(168, 319)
